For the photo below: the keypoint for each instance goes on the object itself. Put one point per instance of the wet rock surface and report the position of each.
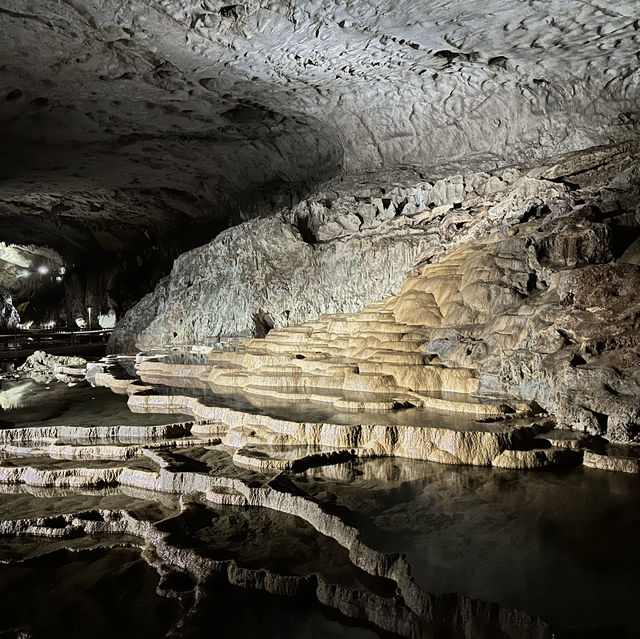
(44, 368)
(228, 501)
(204, 524)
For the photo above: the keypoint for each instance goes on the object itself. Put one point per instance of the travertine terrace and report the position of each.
(319, 319)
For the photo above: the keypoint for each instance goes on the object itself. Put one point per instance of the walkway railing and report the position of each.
(21, 341)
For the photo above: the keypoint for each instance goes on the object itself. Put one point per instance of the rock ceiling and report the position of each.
(120, 116)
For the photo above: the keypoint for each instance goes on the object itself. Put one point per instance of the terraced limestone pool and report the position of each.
(169, 524)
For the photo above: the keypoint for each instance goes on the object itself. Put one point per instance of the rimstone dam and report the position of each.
(319, 319)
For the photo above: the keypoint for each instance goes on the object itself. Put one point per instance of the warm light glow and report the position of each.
(43, 270)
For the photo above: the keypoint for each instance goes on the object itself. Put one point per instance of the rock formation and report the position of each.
(337, 252)
(241, 109)
(194, 490)
(44, 368)
(407, 611)
(340, 244)
(510, 300)
(9, 317)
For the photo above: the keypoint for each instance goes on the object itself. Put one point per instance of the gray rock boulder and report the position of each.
(45, 368)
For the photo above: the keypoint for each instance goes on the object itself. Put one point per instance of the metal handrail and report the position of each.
(24, 338)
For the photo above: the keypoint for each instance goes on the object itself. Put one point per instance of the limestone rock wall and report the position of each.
(525, 289)
(353, 242)
(350, 244)
(258, 276)
(142, 129)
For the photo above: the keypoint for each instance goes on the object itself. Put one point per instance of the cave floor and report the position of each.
(156, 524)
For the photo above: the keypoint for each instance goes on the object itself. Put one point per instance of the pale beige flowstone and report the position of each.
(410, 613)
(502, 442)
(465, 446)
(80, 449)
(506, 318)
(87, 434)
(537, 458)
(611, 462)
(259, 461)
(374, 359)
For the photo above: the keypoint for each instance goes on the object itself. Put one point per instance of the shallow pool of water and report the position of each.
(25, 403)
(308, 411)
(112, 593)
(559, 545)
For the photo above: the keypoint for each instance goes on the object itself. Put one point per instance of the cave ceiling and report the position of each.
(127, 121)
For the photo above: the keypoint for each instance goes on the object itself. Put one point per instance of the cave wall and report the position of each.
(353, 243)
(135, 132)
